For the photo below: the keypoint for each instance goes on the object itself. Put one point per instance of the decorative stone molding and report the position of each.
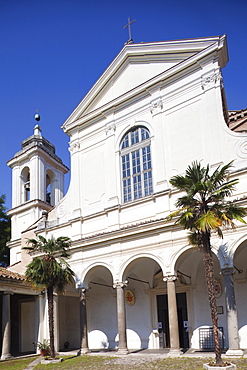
(241, 149)
(82, 292)
(156, 106)
(228, 271)
(170, 278)
(210, 81)
(74, 146)
(61, 211)
(110, 129)
(120, 284)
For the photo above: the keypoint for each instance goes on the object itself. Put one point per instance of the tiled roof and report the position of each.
(238, 120)
(10, 275)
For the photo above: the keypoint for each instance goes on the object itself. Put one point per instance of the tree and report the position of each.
(4, 233)
(49, 271)
(204, 209)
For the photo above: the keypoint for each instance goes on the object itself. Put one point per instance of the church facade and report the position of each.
(139, 284)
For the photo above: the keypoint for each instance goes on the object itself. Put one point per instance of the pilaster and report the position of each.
(6, 327)
(83, 322)
(231, 311)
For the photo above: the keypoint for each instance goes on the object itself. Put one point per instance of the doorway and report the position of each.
(163, 321)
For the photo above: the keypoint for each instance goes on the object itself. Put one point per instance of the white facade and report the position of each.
(170, 95)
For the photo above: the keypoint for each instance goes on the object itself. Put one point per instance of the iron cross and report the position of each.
(129, 28)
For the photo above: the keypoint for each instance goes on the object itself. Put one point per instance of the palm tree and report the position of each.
(49, 271)
(203, 209)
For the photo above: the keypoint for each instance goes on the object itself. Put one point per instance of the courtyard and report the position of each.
(106, 361)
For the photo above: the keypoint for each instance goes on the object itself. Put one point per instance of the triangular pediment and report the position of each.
(136, 66)
(131, 75)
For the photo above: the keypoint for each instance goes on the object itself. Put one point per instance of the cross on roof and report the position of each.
(129, 30)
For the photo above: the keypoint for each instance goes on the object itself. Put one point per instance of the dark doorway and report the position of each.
(163, 323)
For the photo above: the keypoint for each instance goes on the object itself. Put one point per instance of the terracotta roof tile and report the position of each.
(238, 120)
(5, 273)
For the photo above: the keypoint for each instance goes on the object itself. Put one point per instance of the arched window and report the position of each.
(136, 164)
(25, 176)
(50, 187)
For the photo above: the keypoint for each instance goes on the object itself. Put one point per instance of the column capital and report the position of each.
(82, 291)
(228, 271)
(169, 278)
(120, 284)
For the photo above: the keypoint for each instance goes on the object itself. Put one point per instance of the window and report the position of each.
(136, 164)
(50, 187)
(25, 177)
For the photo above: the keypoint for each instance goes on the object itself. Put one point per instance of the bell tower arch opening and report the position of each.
(25, 187)
(51, 187)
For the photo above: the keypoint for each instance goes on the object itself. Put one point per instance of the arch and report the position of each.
(178, 253)
(25, 184)
(101, 306)
(91, 269)
(129, 127)
(235, 245)
(239, 258)
(124, 268)
(49, 187)
(181, 265)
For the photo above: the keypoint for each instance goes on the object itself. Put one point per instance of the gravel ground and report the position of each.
(133, 361)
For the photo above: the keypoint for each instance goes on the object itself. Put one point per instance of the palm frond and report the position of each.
(195, 239)
(174, 214)
(203, 205)
(208, 221)
(220, 174)
(51, 269)
(179, 182)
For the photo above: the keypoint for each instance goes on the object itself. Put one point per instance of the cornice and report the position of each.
(28, 205)
(16, 287)
(35, 150)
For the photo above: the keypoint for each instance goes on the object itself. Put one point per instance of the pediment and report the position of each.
(131, 75)
(135, 66)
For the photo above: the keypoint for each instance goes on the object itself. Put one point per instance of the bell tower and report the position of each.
(37, 181)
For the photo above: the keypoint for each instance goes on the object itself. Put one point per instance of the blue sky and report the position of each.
(52, 52)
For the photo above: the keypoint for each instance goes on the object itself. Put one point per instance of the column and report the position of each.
(6, 327)
(37, 321)
(83, 322)
(56, 323)
(41, 301)
(122, 346)
(173, 316)
(231, 312)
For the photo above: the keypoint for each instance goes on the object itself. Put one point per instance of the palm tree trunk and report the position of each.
(209, 274)
(51, 319)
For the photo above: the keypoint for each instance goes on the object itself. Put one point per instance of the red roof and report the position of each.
(238, 120)
(5, 273)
